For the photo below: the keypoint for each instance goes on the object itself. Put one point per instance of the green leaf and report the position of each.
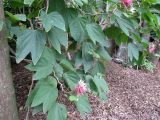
(58, 37)
(58, 69)
(83, 105)
(49, 81)
(18, 31)
(79, 2)
(69, 14)
(43, 72)
(66, 64)
(53, 19)
(28, 2)
(125, 24)
(56, 5)
(88, 60)
(98, 68)
(73, 98)
(21, 17)
(44, 67)
(78, 60)
(30, 41)
(17, 17)
(78, 29)
(37, 109)
(104, 54)
(57, 112)
(46, 95)
(133, 51)
(101, 85)
(85, 1)
(71, 79)
(96, 34)
(87, 48)
(31, 96)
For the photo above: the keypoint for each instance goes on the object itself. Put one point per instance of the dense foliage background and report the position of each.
(70, 41)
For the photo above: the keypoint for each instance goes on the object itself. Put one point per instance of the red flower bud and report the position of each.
(81, 88)
(127, 2)
(152, 48)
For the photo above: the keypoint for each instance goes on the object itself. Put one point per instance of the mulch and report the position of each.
(133, 95)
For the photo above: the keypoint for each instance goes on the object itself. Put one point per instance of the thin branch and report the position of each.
(30, 89)
(31, 24)
(47, 5)
(61, 85)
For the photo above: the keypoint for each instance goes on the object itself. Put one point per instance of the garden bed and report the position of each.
(133, 95)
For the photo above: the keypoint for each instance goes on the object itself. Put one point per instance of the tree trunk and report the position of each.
(8, 109)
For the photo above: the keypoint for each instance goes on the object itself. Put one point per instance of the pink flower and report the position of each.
(81, 88)
(127, 2)
(152, 48)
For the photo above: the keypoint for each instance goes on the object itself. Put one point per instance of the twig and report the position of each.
(30, 89)
(61, 85)
(31, 24)
(47, 5)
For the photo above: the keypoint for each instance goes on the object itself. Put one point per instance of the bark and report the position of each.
(8, 109)
(122, 55)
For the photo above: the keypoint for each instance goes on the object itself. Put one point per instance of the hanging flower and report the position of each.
(127, 2)
(152, 48)
(81, 88)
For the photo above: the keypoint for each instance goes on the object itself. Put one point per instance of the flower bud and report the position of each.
(81, 88)
(152, 48)
(127, 2)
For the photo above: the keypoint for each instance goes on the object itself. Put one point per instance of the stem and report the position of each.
(30, 89)
(47, 5)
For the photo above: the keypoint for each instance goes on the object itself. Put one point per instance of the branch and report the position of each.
(61, 85)
(47, 5)
(30, 89)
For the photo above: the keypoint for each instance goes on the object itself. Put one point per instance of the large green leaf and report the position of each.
(125, 24)
(78, 29)
(69, 14)
(58, 69)
(88, 60)
(46, 95)
(28, 2)
(21, 17)
(16, 17)
(96, 34)
(30, 41)
(45, 65)
(52, 19)
(78, 60)
(104, 54)
(98, 68)
(66, 64)
(58, 37)
(57, 112)
(133, 51)
(43, 72)
(71, 79)
(83, 105)
(56, 5)
(101, 85)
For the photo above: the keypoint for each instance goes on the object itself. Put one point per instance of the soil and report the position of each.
(133, 95)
